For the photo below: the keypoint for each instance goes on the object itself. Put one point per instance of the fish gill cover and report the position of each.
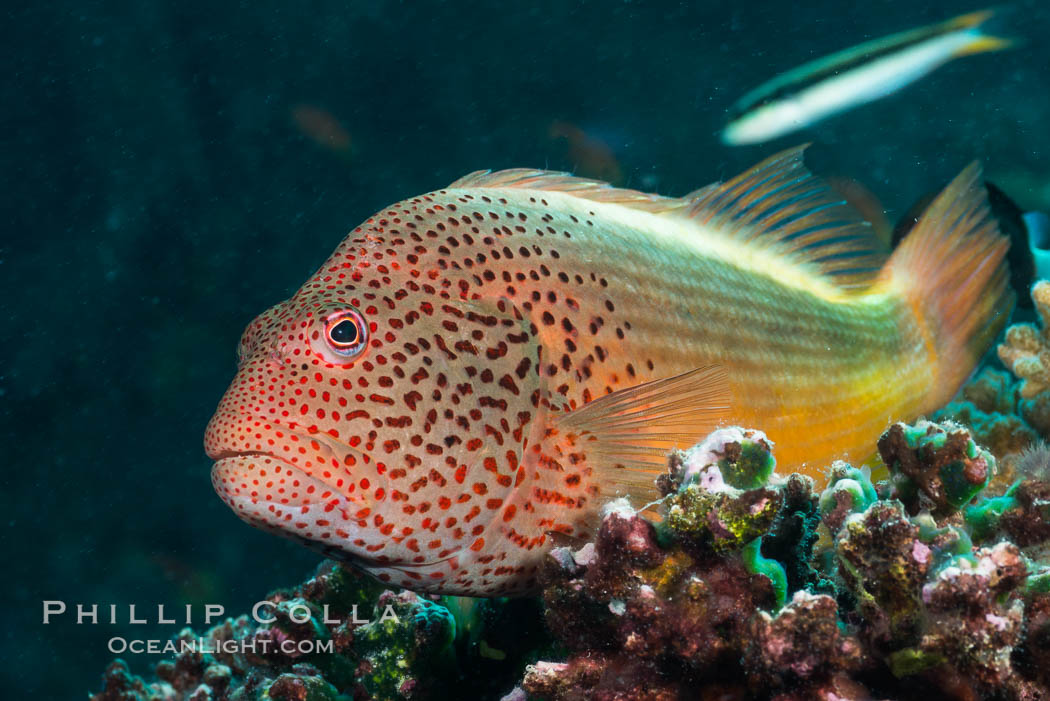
(176, 168)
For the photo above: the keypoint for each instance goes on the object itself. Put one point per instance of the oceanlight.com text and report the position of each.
(263, 612)
(258, 646)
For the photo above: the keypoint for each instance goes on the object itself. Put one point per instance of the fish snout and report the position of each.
(274, 495)
(260, 336)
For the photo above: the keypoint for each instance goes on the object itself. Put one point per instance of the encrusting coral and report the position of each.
(386, 657)
(935, 466)
(931, 584)
(756, 585)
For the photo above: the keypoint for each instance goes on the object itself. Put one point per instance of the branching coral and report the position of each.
(990, 408)
(1026, 350)
(1005, 416)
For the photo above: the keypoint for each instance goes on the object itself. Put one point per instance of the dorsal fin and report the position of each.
(584, 188)
(778, 204)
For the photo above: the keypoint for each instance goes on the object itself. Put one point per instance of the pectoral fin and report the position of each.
(628, 434)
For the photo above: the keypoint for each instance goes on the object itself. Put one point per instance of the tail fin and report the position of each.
(985, 43)
(952, 271)
(983, 39)
(971, 20)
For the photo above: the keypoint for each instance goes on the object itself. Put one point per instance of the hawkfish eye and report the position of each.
(346, 333)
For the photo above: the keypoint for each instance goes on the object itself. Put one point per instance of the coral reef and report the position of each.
(929, 585)
(1009, 417)
(1026, 350)
(989, 406)
(1004, 416)
(935, 466)
(341, 636)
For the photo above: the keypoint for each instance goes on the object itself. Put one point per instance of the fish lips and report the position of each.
(272, 494)
(276, 496)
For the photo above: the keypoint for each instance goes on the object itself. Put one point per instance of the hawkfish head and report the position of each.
(381, 415)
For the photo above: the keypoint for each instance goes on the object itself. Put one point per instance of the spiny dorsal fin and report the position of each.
(584, 188)
(629, 433)
(778, 204)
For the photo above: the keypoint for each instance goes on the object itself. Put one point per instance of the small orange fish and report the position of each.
(321, 127)
(478, 368)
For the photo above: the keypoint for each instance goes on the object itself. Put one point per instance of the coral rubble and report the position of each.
(928, 585)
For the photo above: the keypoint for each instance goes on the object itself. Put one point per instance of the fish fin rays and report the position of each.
(627, 435)
(776, 205)
(780, 206)
(951, 268)
(554, 181)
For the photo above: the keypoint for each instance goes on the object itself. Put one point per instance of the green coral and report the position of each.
(729, 458)
(1038, 582)
(767, 567)
(935, 465)
(983, 517)
(719, 490)
(728, 519)
(1002, 433)
(948, 543)
(911, 661)
(390, 644)
(847, 487)
(747, 464)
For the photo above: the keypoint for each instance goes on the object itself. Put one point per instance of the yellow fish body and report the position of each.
(477, 368)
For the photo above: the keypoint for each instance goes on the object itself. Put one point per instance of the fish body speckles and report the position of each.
(476, 370)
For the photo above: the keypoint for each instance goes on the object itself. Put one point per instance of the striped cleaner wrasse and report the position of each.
(853, 77)
(476, 370)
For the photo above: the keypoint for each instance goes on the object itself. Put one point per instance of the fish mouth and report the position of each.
(329, 446)
(258, 478)
(274, 495)
(252, 480)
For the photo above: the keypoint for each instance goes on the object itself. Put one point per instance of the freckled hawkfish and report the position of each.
(476, 370)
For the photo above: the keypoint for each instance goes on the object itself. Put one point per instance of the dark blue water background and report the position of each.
(160, 193)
